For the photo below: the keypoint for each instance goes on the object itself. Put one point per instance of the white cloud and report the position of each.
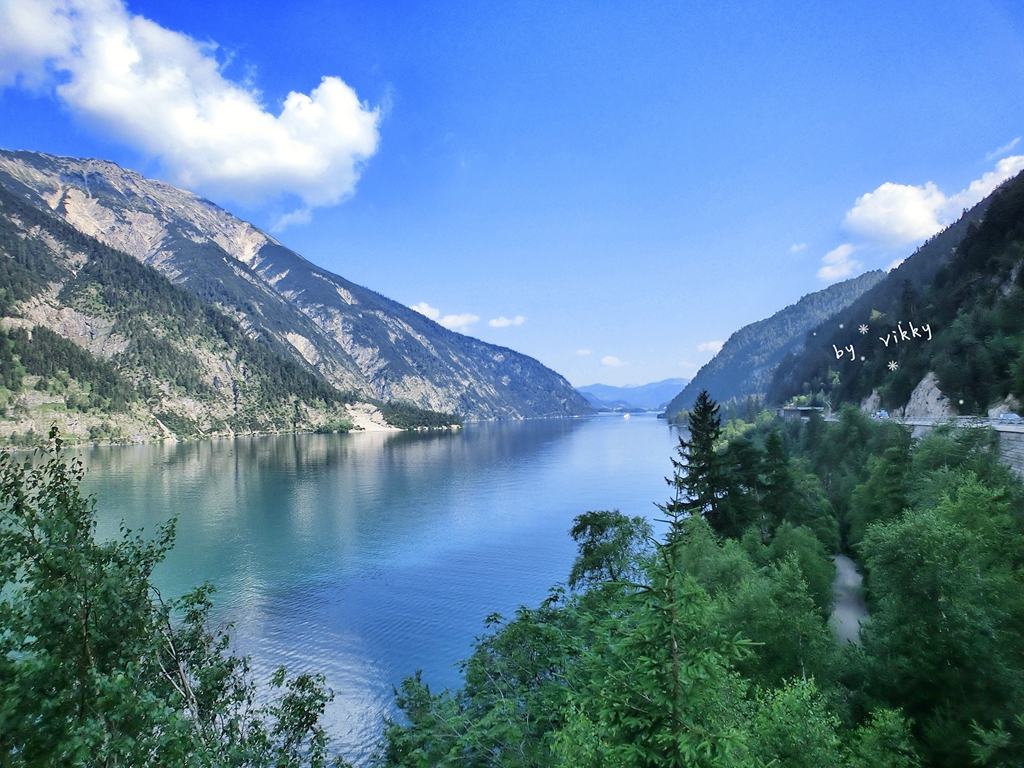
(689, 369)
(1002, 150)
(982, 188)
(895, 263)
(613, 362)
(838, 263)
(451, 322)
(165, 93)
(458, 322)
(898, 214)
(299, 216)
(797, 247)
(425, 309)
(582, 351)
(504, 322)
(711, 346)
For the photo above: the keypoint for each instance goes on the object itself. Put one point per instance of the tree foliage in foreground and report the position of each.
(708, 647)
(699, 649)
(96, 670)
(711, 647)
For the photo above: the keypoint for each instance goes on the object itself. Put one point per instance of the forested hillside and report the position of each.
(744, 366)
(110, 349)
(954, 309)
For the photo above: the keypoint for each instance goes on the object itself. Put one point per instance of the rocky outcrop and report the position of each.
(927, 401)
(871, 403)
(1008, 404)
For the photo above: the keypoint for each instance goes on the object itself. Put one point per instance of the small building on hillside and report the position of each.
(802, 412)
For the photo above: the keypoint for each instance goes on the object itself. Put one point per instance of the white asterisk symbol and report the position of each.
(863, 330)
(893, 365)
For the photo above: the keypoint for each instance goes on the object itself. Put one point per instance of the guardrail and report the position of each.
(960, 421)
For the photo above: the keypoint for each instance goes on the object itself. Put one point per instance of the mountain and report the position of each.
(109, 349)
(644, 396)
(746, 362)
(353, 338)
(943, 333)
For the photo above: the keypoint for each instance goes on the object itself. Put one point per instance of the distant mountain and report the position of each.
(644, 396)
(746, 362)
(354, 339)
(943, 333)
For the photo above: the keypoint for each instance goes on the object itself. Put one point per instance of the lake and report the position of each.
(369, 556)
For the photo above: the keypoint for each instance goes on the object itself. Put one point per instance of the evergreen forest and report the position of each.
(744, 366)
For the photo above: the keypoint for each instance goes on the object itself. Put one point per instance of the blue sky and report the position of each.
(613, 188)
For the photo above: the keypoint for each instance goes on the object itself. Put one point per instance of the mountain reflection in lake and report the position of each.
(369, 556)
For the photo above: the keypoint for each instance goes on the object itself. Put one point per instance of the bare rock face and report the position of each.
(871, 403)
(92, 333)
(1009, 404)
(927, 401)
(354, 338)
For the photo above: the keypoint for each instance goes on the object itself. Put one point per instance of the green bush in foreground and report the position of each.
(96, 670)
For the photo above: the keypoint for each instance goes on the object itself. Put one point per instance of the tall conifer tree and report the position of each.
(699, 479)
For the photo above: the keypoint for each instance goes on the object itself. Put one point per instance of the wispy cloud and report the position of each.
(458, 322)
(451, 322)
(425, 309)
(797, 247)
(689, 369)
(613, 362)
(582, 352)
(504, 322)
(898, 214)
(837, 263)
(711, 346)
(1008, 147)
(301, 216)
(166, 94)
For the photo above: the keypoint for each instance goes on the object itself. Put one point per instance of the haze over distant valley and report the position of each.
(637, 396)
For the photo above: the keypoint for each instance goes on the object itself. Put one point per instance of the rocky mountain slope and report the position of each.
(746, 362)
(354, 338)
(942, 334)
(108, 349)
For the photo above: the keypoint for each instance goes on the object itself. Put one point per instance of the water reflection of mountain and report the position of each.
(268, 505)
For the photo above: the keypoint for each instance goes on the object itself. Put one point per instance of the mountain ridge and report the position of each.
(644, 396)
(945, 329)
(745, 364)
(109, 350)
(353, 337)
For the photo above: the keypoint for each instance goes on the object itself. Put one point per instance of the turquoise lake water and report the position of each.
(369, 556)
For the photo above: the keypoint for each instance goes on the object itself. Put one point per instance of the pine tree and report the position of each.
(700, 477)
(781, 495)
